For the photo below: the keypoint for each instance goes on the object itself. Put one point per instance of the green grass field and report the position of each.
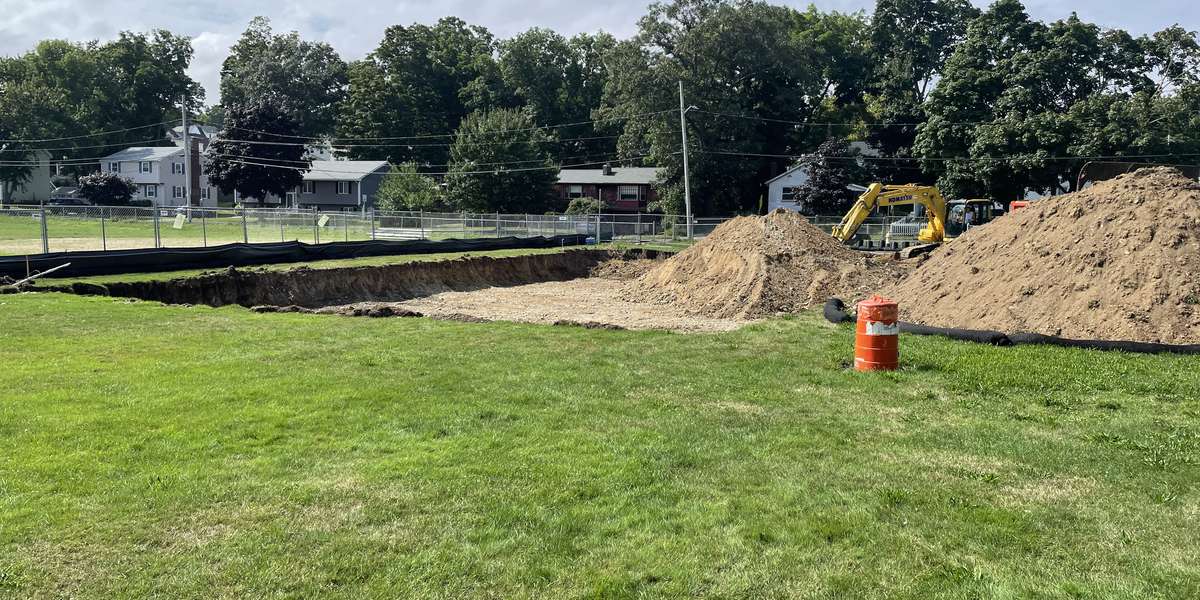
(165, 451)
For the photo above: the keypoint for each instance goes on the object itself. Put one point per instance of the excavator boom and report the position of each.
(878, 195)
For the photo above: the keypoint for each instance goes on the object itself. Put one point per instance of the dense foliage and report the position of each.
(501, 162)
(106, 189)
(405, 188)
(983, 102)
(256, 165)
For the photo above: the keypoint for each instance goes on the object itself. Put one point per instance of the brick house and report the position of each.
(622, 189)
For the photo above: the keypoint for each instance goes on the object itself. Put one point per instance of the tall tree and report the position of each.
(831, 170)
(131, 83)
(417, 85)
(910, 41)
(261, 160)
(562, 81)
(308, 78)
(501, 162)
(750, 68)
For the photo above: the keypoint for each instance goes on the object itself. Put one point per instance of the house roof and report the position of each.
(342, 170)
(207, 131)
(863, 148)
(141, 153)
(620, 176)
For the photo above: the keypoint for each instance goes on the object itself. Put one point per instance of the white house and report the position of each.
(782, 189)
(36, 188)
(159, 174)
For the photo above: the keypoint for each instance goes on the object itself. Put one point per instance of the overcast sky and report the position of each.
(354, 27)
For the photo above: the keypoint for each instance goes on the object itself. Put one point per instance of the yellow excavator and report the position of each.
(967, 212)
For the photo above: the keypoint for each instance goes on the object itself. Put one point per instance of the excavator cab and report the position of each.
(962, 215)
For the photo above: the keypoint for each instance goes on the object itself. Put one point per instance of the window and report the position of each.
(150, 191)
(176, 168)
(145, 167)
(343, 188)
(114, 167)
(790, 194)
(204, 193)
(630, 192)
(575, 191)
(310, 187)
(177, 191)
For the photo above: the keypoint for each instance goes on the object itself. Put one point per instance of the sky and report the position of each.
(355, 27)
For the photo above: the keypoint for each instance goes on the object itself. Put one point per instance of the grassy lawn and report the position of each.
(150, 450)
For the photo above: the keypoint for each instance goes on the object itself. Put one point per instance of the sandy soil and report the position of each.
(1117, 261)
(590, 302)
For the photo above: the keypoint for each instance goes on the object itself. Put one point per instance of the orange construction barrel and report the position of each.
(877, 340)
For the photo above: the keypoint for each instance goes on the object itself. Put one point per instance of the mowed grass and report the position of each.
(151, 450)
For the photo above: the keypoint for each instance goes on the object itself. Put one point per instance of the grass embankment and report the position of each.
(188, 451)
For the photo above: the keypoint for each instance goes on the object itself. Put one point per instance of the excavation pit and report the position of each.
(577, 287)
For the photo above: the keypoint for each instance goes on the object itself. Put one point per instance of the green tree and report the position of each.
(27, 111)
(910, 41)
(501, 162)
(562, 81)
(1019, 96)
(255, 164)
(106, 189)
(416, 85)
(130, 86)
(760, 74)
(308, 78)
(831, 169)
(405, 188)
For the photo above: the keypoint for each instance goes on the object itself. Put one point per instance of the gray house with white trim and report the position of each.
(332, 185)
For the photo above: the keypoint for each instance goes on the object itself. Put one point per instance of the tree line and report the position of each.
(982, 102)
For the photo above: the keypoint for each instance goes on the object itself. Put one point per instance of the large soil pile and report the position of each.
(755, 266)
(1117, 261)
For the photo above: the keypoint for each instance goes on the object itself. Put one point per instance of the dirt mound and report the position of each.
(755, 266)
(1117, 261)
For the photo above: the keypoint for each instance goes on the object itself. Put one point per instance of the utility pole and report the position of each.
(187, 158)
(687, 186)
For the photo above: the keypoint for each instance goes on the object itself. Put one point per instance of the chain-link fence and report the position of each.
(40, 229)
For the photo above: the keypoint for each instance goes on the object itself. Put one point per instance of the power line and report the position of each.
(483, 172)
(944, 158)
(77, 137)
(410, 146)
(130, 145)
(454, 135)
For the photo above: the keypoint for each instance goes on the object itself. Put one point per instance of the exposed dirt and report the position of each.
(315, 288)
(1117, 261)
(758, 266)
(594, 302)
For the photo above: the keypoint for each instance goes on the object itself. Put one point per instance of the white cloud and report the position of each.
(354, 27)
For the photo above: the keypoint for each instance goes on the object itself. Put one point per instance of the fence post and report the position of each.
(45, 233)
(463, 216)
(282, 236)
(103, 232)
(316, 227)
(497, 224)
(346, 226)
(245, 228)
(204, 227)
(421, 222)
(639, 227)
(157, 231)
(372, 223)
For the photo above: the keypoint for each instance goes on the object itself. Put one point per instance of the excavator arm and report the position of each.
(897, 195)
